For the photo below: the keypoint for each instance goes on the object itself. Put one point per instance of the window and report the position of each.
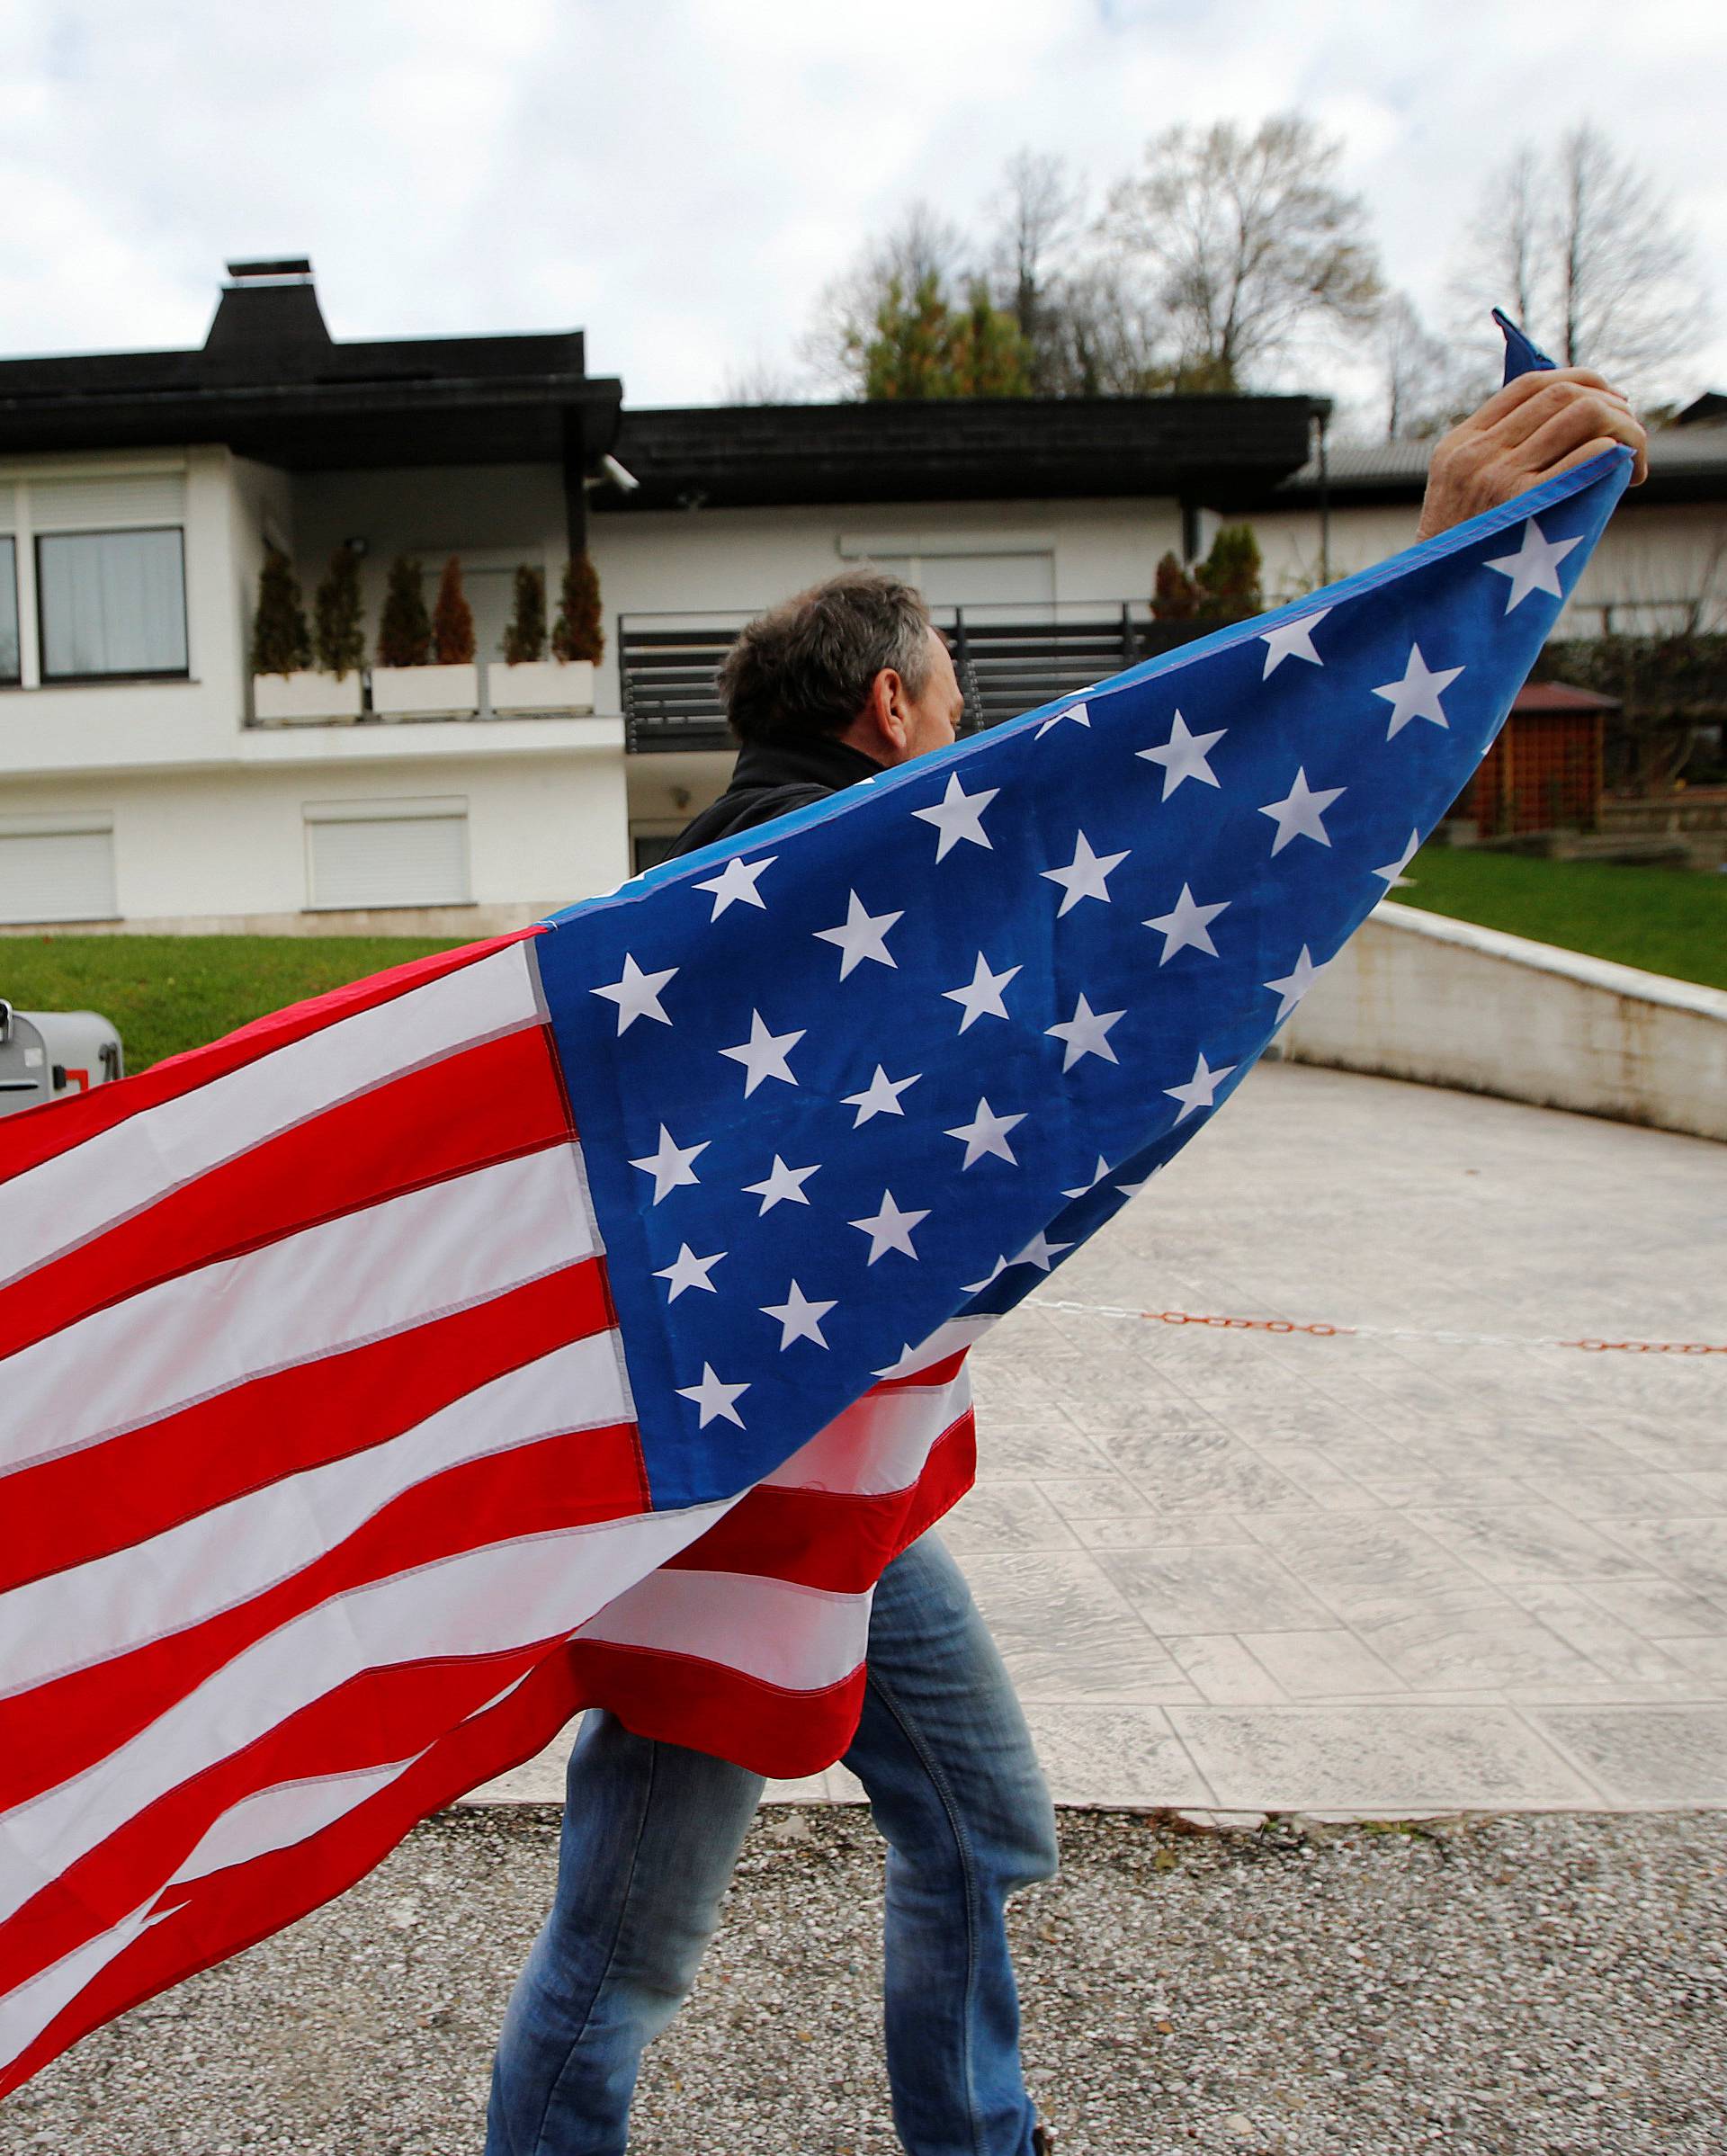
(8, 611)
(112, 602)
(57, 869)
(361, 855)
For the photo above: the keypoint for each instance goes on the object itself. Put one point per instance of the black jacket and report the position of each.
(769, 778)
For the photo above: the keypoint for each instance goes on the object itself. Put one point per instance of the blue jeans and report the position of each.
(651, 1832)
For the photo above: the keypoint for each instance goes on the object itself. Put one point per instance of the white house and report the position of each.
(144, 783)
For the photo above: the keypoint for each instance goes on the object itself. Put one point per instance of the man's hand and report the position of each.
(1540, 424)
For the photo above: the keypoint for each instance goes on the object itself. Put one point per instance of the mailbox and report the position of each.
(49, 1055)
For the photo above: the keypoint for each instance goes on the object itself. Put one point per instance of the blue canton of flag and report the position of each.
(884, 1063)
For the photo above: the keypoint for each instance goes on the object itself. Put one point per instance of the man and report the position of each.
(839, 683)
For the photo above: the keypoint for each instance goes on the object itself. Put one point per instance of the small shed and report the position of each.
(1544, 773)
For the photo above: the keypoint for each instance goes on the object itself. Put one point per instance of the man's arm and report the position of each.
(1534, 428)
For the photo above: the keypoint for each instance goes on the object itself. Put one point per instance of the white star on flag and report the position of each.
(1416, 695)
(1293, 985)
(986, 1132)
(978, 1286)
(669, 1165)
(636, 993)
(1041, 1252)
(1086, 1189)
(764, 1054)
(715, 1396)
(799, 1319)
(687, 1270)
(889, 1229)
(735, 885)
(1394, 869)
(1298, 814)
(1535, 567)
(1188, 925)
(781, 1184)
(1086, 876)
(981, 998)
(881, 1097)
(1183, 757)
(959, 815)
(1293, 639)
(1078, 712)
(860, 935)
(1200, 1090)
(1086, 1033)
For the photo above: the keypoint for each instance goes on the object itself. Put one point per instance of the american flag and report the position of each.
(581, 1318)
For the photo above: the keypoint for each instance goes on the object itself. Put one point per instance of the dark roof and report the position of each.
(1553, 698)
(1212, 448)
(1685, 466)
(272, 382)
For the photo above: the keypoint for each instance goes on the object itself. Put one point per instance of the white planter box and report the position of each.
(542, 684)
(306, 698)
(425, 692)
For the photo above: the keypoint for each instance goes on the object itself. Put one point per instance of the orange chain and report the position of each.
(1327, 1332)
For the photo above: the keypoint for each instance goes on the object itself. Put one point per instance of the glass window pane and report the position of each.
(112, 602)
(8, 610)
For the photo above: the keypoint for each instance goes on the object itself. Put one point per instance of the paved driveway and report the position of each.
(1236, 1571)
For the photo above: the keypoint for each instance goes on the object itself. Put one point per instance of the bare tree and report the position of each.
(922, 245)
(1036, 216)
(1249, 240)
(1588, 252)
(761, 381)
(1427, 382)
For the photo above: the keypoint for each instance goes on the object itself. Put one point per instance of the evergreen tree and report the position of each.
(404, 631)
(1229, 576)
(1175, 596)
(339, 632)
(576, 633)
(281, 643)
(452, 619)
(525, 638)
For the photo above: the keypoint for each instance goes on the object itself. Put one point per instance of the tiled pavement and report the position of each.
(1233, 1570)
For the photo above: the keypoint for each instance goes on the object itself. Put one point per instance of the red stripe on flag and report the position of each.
(41, 1133)
(67, 1723)
(393, 1713)
(473, 1109)
(339, 1404)
(833, 1539)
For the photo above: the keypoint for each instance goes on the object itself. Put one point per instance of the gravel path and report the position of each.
(1552, 1984)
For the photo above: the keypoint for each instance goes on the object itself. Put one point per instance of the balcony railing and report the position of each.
(1009, 659)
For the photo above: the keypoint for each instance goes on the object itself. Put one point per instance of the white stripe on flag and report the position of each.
(224, 1557)
(800, 1638)
(26, 2012)
(346, 1281)
(880, 1444)
(279, 1817)
(67, 1199)
(483, 1602)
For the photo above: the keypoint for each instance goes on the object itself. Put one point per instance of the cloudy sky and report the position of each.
(680, 177)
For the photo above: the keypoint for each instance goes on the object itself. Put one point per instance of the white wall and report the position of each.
(1413, 995)
(99, 725)
(227, 849)
(730, 561)
(1668, 553)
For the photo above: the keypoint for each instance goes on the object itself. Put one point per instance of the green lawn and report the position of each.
(169, 992)
(1665, 920)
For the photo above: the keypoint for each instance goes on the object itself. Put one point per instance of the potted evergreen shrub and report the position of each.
(578, 639)
(285, 689)
(425, 665)
(528, 681)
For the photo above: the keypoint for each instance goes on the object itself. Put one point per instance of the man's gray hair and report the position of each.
(806, 666)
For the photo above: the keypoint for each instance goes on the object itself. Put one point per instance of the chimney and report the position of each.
(268, 325)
